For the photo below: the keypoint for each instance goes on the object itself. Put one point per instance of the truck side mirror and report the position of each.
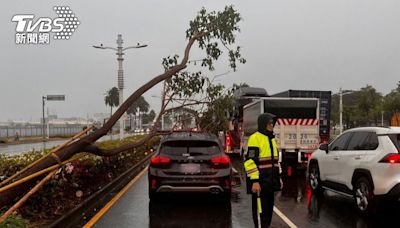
(324, 147)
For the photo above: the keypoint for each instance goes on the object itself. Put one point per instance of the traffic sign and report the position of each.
(55, 97)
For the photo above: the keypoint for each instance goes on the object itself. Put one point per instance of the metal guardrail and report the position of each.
(84, 211)
(34, 131)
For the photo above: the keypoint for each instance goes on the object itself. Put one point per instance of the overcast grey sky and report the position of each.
(288, 44)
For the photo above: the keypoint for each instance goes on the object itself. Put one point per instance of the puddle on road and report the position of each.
(235, 197)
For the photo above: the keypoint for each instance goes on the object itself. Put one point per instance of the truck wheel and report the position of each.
(364, 196)
(314, 178)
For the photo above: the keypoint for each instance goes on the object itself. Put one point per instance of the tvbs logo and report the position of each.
(45, 24)
(31, 30)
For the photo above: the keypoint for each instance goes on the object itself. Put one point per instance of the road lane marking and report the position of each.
(239, 174)
(284, 218)
(107, 207)
(234, 170)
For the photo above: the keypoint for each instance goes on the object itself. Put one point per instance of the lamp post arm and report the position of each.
(104, 47)
(138, 46)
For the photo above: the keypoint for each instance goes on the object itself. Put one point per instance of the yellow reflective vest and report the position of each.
(265, 156)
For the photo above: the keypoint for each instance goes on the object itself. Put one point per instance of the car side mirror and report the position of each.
(324, 147)
(154, 148)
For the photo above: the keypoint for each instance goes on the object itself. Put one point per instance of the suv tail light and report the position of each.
(391, 158)
(220, 162)
(160, 161)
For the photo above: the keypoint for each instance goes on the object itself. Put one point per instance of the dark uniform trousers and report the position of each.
(267, 205)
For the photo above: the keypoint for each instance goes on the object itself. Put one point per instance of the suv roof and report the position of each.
(377, 130)
(198, 136)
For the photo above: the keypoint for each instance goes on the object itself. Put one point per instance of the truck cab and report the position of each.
(232, 139)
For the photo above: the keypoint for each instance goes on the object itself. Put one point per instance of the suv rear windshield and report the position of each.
(396, 140)
(190, 147)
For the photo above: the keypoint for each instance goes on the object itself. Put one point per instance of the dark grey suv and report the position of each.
(190, 162)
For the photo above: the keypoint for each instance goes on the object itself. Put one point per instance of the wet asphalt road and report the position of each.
(329, 209)
(295, 201)
(192, 210)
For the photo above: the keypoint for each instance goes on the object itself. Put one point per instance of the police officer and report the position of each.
(263, 169)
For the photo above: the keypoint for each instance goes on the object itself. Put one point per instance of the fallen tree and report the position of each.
(209, 30)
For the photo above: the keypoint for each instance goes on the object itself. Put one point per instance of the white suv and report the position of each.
(362, 162)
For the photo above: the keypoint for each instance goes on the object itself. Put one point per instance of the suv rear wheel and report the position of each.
(364, 195)
(314, 178)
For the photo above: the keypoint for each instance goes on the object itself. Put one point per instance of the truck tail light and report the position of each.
(220, 162)
(289, 171)
(160, 162)
(228, 143)
(228, 140)
(324, 139)
(391, 158)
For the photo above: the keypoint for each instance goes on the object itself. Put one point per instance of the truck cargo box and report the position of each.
(325, 98)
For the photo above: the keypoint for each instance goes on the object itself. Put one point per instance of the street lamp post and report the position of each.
(162, 122)
(120, 52)
(48, 124)
(341, 93)
(162, 116)
(44, 120)
(49, 98)
(382, 112)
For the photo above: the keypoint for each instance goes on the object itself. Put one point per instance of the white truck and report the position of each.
(296, 129)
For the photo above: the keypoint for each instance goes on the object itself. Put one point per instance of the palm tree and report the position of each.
(141, 103)
(112, 98)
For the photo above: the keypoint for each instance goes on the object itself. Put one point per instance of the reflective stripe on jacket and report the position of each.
(265, 157)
